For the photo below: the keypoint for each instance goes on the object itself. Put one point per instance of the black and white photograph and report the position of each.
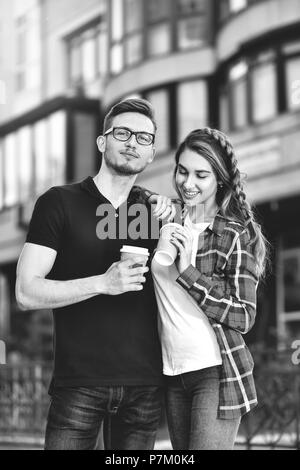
(150, 227)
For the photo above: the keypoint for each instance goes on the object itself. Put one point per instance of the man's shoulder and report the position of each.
(62, 191)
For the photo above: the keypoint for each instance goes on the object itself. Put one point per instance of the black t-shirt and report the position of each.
(106, 340)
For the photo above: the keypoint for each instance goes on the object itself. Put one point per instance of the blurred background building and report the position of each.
(230, 64)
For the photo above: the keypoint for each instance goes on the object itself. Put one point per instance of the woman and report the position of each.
(207, 299)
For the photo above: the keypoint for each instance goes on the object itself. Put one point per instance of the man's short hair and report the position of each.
(132, 105)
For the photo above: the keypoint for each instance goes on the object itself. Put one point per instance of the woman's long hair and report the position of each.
(216, 148)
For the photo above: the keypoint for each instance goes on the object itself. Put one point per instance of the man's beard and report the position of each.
(123, 169)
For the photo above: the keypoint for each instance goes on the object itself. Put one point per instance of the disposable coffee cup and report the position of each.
(137, 253)
(166, 252)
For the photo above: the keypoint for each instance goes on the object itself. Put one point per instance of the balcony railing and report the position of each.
(274, 423)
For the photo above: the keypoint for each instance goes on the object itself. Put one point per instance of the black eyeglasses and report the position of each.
(123, 134)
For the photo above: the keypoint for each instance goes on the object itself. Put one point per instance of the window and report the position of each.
(41, 156)
(264, 91)
(192, 32)
(117, 33)
(87, 56)
(28, 50)
(117, 29)
(237, 5)
(57, 147)
(238, 92)
(158, 28)
(157, 10)
(102, 50)
(133, 29)
(11, 195)
(292, 74)
(193, 24)
(289, 293)
(160, 102)
(116, 59)
(192, 105)
(134, 49)
(159, 39)
(191, 7)
(1, 176)
(133, 15)
(224, 110)
(25, 163)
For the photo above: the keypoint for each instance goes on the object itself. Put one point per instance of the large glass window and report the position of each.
(117, 34)
(28, 50)
(289, 293)
(264, 90)
(192, 32)
(11, 195)
(117, 25)
(237, 5)
(133, 15)
(293, 83)
(292, 74)
(238, 92)
(25, 154)
(116, 59)
(134, 22)
(192, 105)
(160, 102)
(224, 110)
(159, 39)
(1, 176)
(87, 56)
(134, 48)
(157, 10)
(193, 24)
(57, 147)
(102, 50)
(41, 156)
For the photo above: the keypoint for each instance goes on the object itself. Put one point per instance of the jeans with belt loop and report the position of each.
(130, 416)
(192, 401)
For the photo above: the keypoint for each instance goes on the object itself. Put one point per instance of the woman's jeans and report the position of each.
(130, 417)
(192, 401)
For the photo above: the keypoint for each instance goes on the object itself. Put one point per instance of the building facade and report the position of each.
(232, 64)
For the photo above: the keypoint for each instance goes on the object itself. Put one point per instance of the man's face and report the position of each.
(130, 157)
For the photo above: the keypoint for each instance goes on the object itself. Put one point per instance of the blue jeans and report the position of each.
(130, 417)
(191, 404)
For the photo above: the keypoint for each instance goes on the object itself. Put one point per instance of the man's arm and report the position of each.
(34, 291)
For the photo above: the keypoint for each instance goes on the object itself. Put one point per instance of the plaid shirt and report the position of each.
(224, 284)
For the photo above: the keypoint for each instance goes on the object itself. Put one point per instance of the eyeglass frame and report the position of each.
(112, 129)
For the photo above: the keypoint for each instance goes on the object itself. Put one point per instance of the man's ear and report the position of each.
(101, 143)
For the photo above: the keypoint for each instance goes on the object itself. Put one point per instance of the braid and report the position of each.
(234, 173)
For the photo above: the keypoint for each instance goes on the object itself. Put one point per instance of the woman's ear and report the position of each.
(101, 143)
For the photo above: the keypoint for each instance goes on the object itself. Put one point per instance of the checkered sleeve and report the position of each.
(232, 301)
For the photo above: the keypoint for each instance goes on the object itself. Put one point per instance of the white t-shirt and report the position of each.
(187, 338)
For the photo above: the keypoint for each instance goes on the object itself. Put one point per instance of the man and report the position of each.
(107, 360)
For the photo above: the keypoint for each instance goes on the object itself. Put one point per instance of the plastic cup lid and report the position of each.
(135, 250)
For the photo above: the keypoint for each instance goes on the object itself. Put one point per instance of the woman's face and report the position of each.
(196, 180)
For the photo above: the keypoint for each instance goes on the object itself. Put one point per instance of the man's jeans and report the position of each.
(130, 416)
(192, 402)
